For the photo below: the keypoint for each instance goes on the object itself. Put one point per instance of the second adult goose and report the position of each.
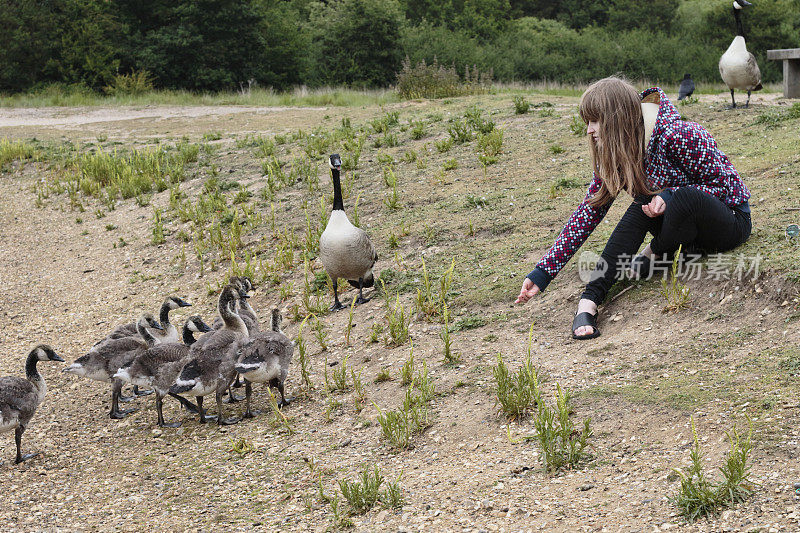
(345, 250)
(737, 66)
(20, 397)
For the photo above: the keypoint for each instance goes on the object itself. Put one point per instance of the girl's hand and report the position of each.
(529, 290)
(655, 208)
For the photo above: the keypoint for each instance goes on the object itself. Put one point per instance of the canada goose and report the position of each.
(687, 87)
(210, 365)
(168, 334)
(345, 250)
(265, 358)
(156, 367)
(244, 309)
(19, 397)
(104, 360)
(737, 66)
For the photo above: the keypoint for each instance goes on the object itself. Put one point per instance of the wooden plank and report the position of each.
(784, 53)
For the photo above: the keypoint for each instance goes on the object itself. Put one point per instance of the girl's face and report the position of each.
(593, 129)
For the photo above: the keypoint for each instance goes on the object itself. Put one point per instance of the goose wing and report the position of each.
(18, 400)
(753, 72)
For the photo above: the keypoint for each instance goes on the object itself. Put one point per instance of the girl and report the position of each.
(685, 190)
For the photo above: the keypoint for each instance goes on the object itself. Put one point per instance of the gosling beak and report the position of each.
(56, 357)
(157, 326)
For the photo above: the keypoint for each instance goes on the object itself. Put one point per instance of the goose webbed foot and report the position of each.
(228, 421)
(125, 399)
(169, 424)
(138, 392)
(119, 414)
(361, 300)
(251, 414)
(337, 306)
(204, 418)
(25, 457)
(232, 398)
(284, 402)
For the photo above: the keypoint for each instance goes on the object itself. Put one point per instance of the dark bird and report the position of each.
(687, 87)
(20, 397)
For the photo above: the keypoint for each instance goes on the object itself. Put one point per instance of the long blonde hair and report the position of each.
(619, 162)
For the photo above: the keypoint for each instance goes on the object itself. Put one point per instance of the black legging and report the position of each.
(692, 217)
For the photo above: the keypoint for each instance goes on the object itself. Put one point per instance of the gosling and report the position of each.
(19, 397)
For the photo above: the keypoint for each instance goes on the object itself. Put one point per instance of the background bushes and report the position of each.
(216, 45)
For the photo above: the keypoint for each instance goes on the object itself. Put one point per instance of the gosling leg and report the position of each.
(18, 440)
(159, 407)
(223, 421)
(117, 413)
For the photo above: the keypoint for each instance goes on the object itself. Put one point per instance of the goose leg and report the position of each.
(747, 104)
(18, 440)
(232, 398)
(237, 384)
(189, 406)
(223, 421)
(279, 385)
(137, 392)
(159, 407)
(361, 300)
(117, 413)
(733, 105)
(336, 303)
(202, 412)
(248, 391)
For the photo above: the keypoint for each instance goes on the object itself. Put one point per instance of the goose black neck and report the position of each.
(188, 336)
(226, 313)
(338, 204)
(143, 332)
(738, 17)
(163, 315)
(30, 365)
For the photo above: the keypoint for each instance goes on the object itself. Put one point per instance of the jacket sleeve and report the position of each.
(577, 229)
(694, 151)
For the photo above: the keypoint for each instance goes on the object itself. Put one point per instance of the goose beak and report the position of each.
(157, 326)
(56, 357)
(336, 161)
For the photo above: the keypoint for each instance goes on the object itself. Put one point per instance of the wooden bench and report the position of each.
(791, 70)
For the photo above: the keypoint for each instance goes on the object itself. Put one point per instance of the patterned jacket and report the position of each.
(679, 154)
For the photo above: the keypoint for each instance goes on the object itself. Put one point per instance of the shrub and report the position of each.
(518, 392)
(562, 444)
(697, 496)
(135, 83)
(437, 81)
(521, 106)
(491, 143)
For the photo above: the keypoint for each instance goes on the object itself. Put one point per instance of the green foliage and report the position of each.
(14, 150)
(357, 41)
(697, 496)
(521, 106)
(517, 393)
(491, 143)
(133, 84)
(562, 444)
(438, 81)
(674, 292)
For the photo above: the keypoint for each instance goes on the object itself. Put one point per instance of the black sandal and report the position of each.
(585, 319)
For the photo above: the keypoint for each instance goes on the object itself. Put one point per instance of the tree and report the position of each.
(196, 44)
(357, 42)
